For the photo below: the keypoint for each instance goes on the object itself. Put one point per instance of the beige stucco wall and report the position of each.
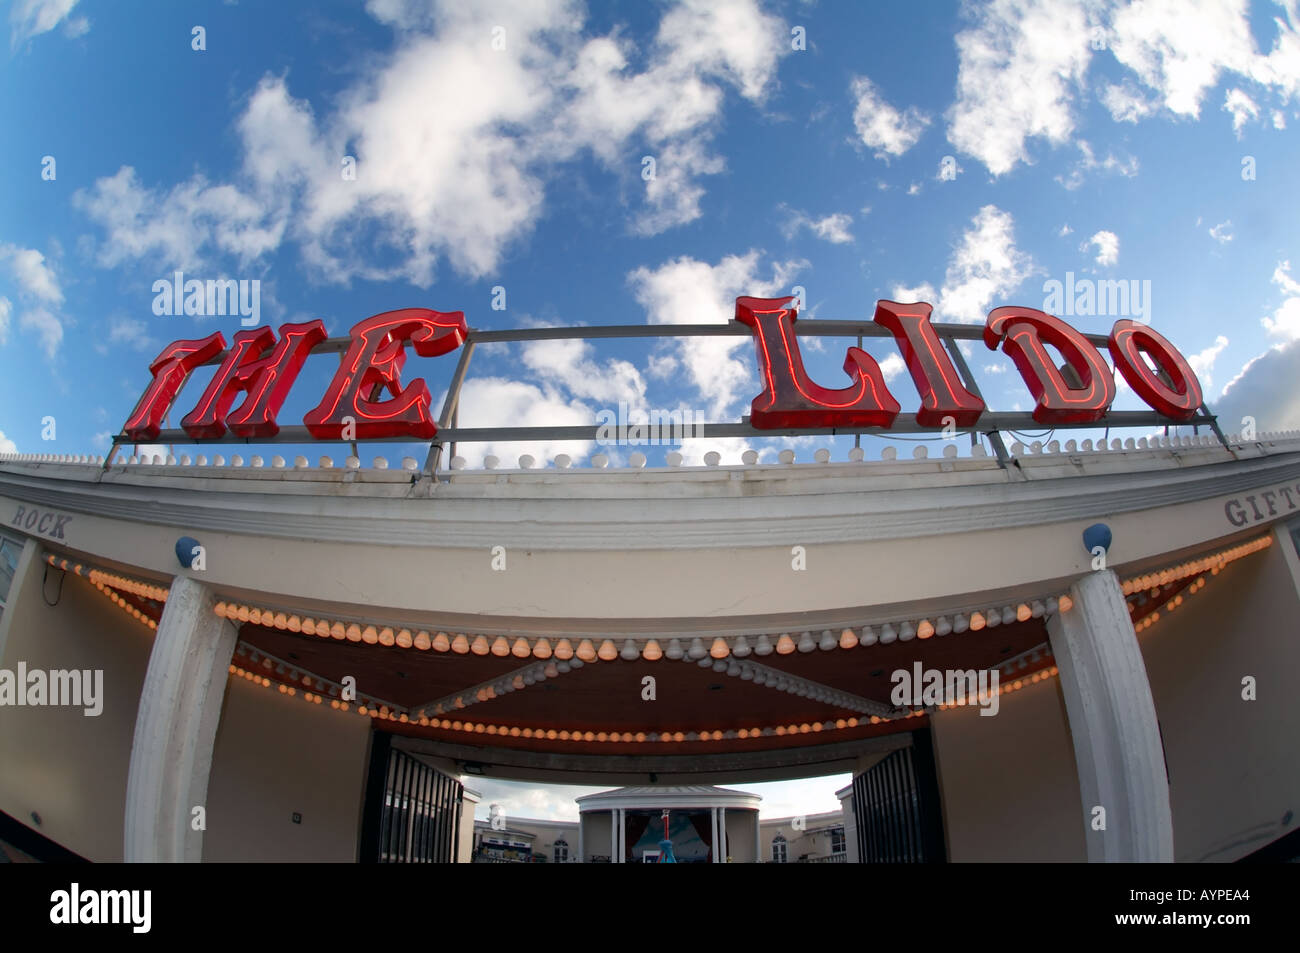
(274, 756)
(595, 834)
(465, 838)
(740, 836)
(1233, 768)
(812, 840)
(544, 835)
(69, 768)
(1008, 783)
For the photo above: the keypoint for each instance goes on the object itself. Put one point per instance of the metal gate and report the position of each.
(896, 806)
(412, 812)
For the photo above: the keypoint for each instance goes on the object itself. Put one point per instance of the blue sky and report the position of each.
(964, 154)
(522, 168)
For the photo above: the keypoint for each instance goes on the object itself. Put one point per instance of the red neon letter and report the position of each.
(265, 377)
(1027, 331)
(374, 362)
(942, 393)
(790, 398)
(1128, 340)
(169, 370)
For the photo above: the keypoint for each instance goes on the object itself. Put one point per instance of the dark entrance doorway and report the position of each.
(412, 811)
(896, 806)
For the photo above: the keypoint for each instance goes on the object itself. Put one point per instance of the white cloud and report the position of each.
(1222, 233)
(880, 126)
(568, 363)
(1088, 162)
(1126, 102)
(47, 326)
(180, 227)
(1242, 109)
(498, 402)
(984, 266)
(32, 274)
(131, 333)
(1107, 245)
(1065, 230)
(1180, 49)
(1285, 320)
(914, 188)
(687, 291)
(1202, 362)
(7, 445)
(832, 228)
(1282, 278)
(1019, 69)
(1265, 390)
(38, 289)
(1022, 65)
(456, 142)
(29, 18)
(1265, 386)
(662, 366)
(892, 366)
(922, 292)
(674, 194)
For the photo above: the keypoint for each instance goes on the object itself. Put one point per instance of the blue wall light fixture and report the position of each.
(1098, 534)
(186, 548)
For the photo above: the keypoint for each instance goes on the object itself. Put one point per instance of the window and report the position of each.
(837, 840)
(10, 550)
(778, 849)
(561, 851)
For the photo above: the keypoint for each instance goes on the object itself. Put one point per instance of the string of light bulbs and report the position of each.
(1213, 563)
(651, 649)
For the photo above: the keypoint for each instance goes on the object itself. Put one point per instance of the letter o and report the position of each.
(1128, 340)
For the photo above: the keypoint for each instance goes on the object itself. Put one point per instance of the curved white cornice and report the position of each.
(659, 509)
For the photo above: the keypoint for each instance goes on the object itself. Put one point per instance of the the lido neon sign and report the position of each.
(263, 369)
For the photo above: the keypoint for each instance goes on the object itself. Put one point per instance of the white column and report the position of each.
(180, 705)
(713, 820)
(613, 835)
(622, 836)
(1113, 723)
(722, 825)
(758, 840)
(582, 826)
